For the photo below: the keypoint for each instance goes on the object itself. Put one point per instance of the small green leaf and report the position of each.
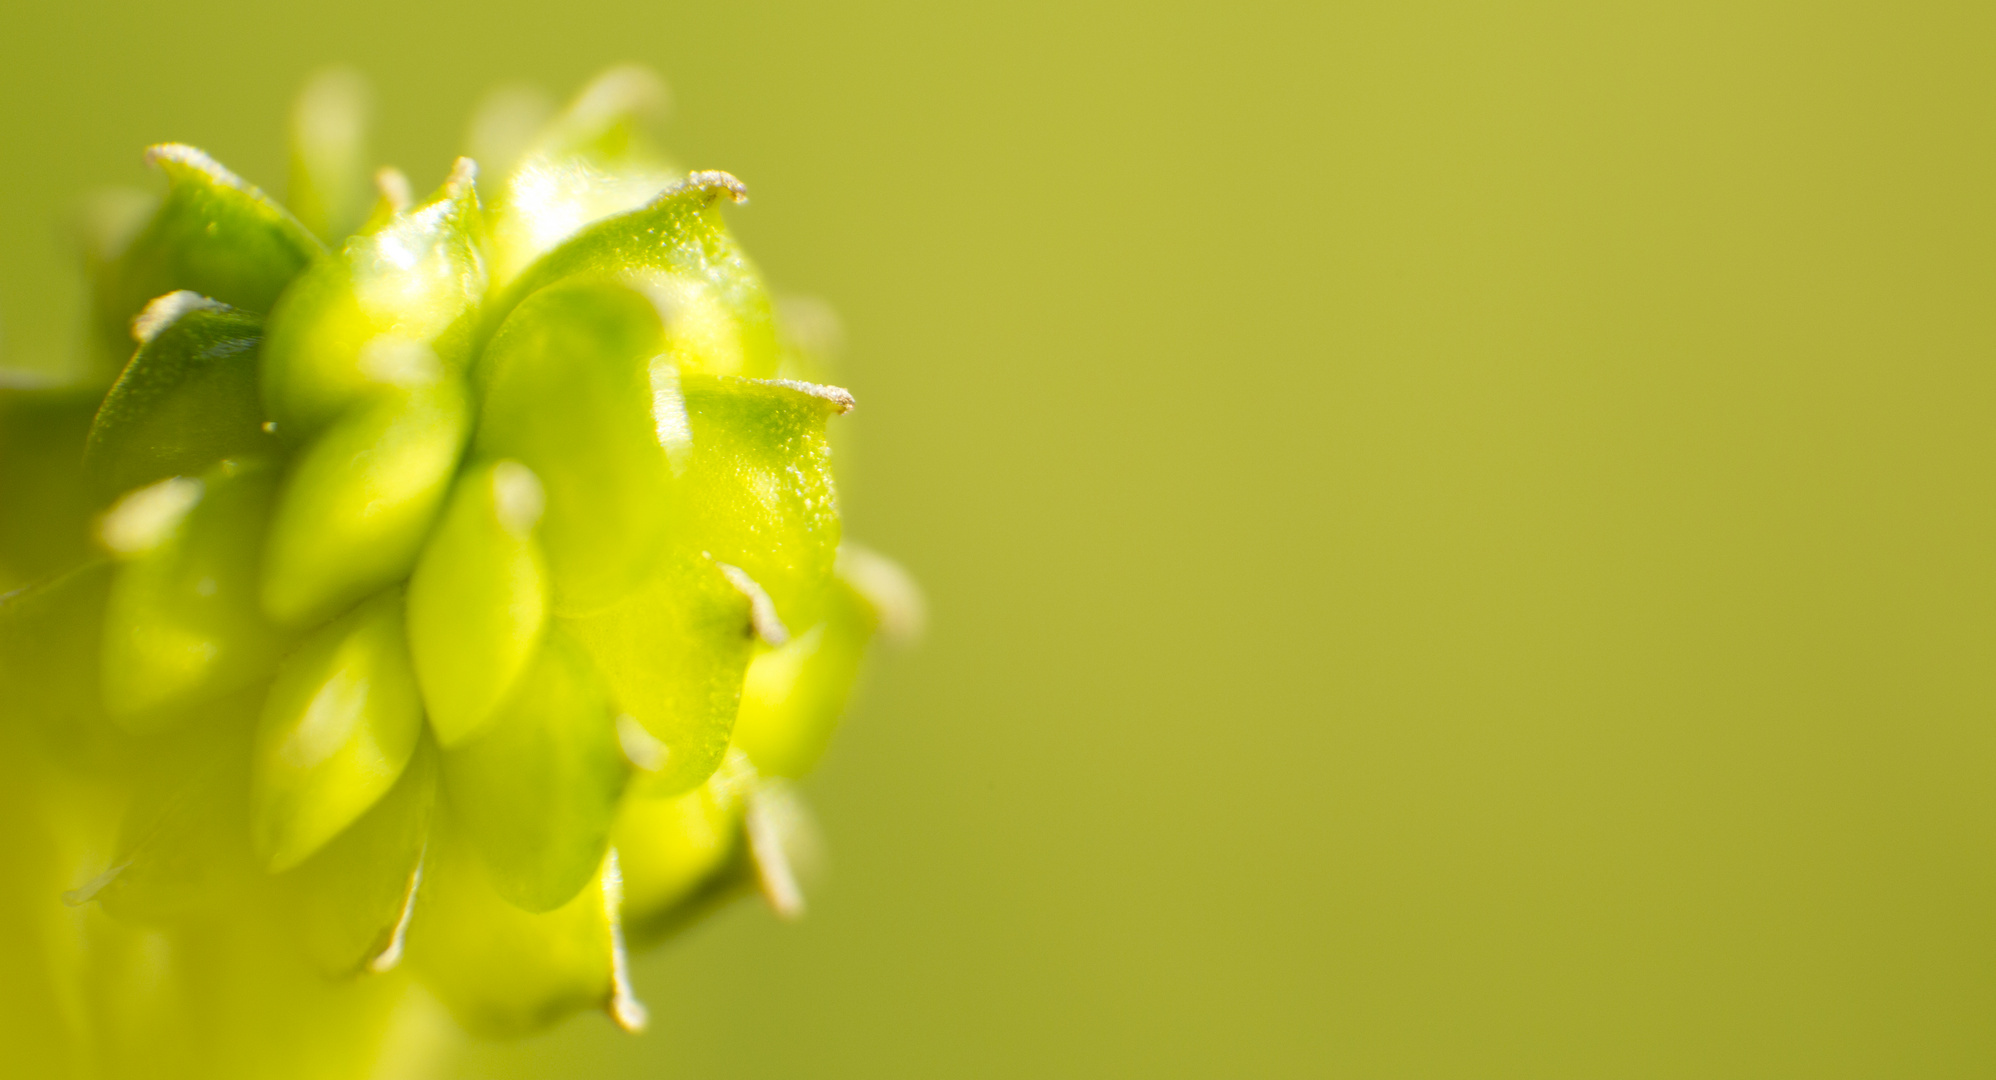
(574, 388)
(47, 503)
(674, 850)
(678, 246)
(505, 972)
(478, 598)
(213, 234)
(674, 652)
(358, 502)
(353, 899)
(591, 162)
(183, 624)
(329, 160)
(758, 493)
(186, 400)
(365, 318)
(536, 790)
(339, 726)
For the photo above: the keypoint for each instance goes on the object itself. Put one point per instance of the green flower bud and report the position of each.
(586, 164)
(389, 608)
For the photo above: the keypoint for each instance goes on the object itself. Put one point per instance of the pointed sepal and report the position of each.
(758, 492)
(719, 314)
(186, 400)
(329, 188)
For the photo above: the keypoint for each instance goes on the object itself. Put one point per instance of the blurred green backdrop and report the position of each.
(1461, 535)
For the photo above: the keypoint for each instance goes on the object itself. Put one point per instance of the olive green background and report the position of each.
(1461, 536)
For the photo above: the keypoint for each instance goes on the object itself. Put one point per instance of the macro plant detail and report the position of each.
(441, 589)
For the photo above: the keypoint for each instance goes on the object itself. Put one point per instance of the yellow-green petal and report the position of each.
(574, 388)
(679, 850)
(536, 790)
(506, 972)
(352, 901)
(358, 502)
(336, 732)
(673, 653)
(478, 598)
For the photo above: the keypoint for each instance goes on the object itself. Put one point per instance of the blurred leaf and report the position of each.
(186, 400)
(356, 321)
(478, 598)
(718, 310)
(505, 972)
(213, 234)
(51, 636)
(590, 162)
(536, 790)
(183, 623)
(329, 188)
(758, 493)
(674, 652)
(46, 527)
(183, 846)
(354, 898)
(574, 389)
(340, 724)
(358, 502)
